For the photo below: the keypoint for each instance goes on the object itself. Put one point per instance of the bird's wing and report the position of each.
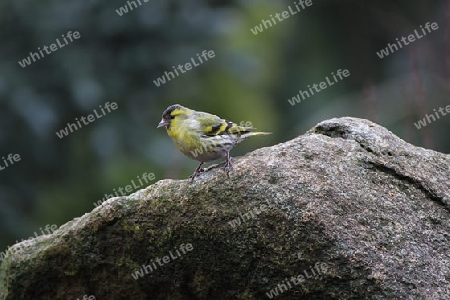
(211, 125)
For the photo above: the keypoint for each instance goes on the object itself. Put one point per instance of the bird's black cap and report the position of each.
(170, 109)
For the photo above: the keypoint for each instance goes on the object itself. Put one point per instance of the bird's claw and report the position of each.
(228, 167)
(196, 172)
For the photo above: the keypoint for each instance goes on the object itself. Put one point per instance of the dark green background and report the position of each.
(250, 79)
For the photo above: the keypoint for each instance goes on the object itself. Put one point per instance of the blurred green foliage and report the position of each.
(250, 79)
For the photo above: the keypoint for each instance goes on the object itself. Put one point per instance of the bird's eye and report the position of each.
(172, 117)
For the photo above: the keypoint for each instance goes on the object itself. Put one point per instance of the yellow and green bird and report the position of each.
(203, 136)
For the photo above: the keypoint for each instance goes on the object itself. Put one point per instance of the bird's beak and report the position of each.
(163, 123)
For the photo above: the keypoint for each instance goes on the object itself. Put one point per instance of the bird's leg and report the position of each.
(228, 166)
(197, 171)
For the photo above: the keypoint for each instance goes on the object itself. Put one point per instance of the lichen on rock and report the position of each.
(348, 195)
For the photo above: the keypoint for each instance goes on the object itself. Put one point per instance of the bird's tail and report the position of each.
(243, 132)
(253, 133)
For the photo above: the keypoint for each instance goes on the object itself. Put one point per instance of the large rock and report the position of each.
(347, 211)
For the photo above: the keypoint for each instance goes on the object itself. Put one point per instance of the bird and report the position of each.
(203, 136)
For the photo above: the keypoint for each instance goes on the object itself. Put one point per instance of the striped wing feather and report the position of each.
(212, 125)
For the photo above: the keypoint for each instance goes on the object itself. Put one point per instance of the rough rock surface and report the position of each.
(348, 209)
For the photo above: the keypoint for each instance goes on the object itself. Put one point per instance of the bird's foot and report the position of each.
(197, 171)
(228, 166)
